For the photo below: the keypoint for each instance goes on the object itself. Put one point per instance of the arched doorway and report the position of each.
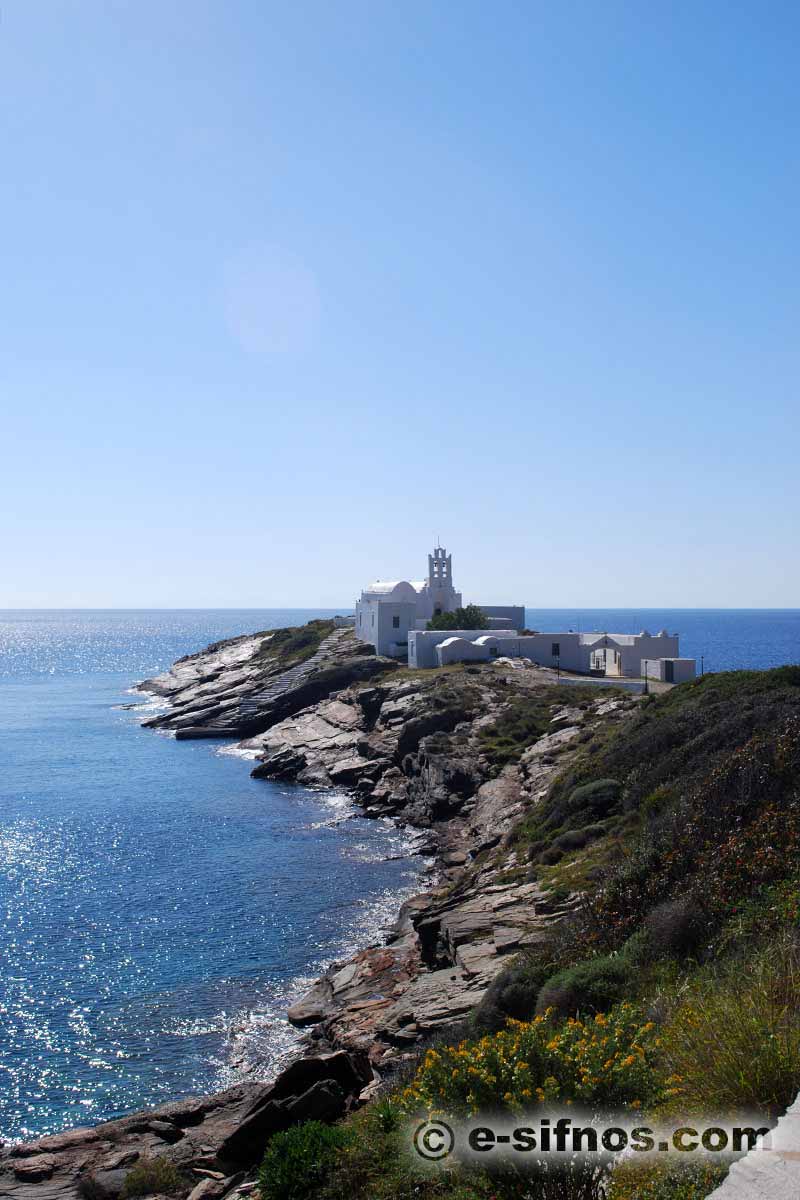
(606, 658)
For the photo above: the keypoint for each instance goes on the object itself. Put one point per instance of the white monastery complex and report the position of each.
(393, 617)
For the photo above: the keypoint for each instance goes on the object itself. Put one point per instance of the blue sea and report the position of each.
(159, 908)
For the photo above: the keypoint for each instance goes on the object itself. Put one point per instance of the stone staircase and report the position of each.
(251, 705)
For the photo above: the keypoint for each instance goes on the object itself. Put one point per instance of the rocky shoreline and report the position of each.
(409, 746)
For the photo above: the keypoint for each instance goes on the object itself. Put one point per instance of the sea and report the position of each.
(160, 909)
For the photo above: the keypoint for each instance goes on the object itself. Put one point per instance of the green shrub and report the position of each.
(375, 1164)
(470, 617)
(588, 803)
(576, 839)
(638, 949)
(153, 1176)
(299, 1160)
(591, 986)
(657, 802)
(551, 856)
(513, 993)
(789, 675)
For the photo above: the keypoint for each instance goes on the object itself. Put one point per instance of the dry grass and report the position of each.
(733, 1040)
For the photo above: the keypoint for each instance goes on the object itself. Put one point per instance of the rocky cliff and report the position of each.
(461, 754)
(245, 684)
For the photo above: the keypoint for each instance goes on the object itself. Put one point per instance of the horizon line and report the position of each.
(348, 610)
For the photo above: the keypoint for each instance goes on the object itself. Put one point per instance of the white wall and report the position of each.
(375, 623)
(366, 616)
(646, 647)
(394, 620)
(683, 669)
(574, 652)
(539, 647)
(422, 643)
(500, 642)
(458, 649)
(513, 613)
(632, 649)
(424, 607)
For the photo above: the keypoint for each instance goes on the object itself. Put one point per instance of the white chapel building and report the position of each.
(388, 611)
(393, 617)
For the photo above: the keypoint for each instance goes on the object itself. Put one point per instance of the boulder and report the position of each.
(316, 686)
(284, 763)
(351, 1071)
(107, 1184)
(208, 1189)
(35, 1169)
(350, 771)
(245, 1143)
(119, 1159)
(55, 1142)
(166, 1130)
(294, 1097)
(369, 700)
(313, 1007)
(322, 1102)
(443, 720)
(184, 1112)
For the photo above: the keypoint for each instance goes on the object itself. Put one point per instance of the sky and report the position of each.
(289, 292)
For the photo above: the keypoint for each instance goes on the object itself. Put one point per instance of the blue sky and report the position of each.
(289, 290)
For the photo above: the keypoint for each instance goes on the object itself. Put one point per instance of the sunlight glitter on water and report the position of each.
(159, 909)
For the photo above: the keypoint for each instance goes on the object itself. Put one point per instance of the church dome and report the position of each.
(399, 589)
(381, 587)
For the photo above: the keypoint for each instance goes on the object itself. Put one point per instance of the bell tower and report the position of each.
(440, 581)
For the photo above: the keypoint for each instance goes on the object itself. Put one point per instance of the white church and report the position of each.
(389, 611)
(393, 617)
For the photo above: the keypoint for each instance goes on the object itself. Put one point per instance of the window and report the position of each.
(556, 651)
(373, 619)
(395, 622)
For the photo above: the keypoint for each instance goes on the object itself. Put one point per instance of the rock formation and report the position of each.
(409, 746)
